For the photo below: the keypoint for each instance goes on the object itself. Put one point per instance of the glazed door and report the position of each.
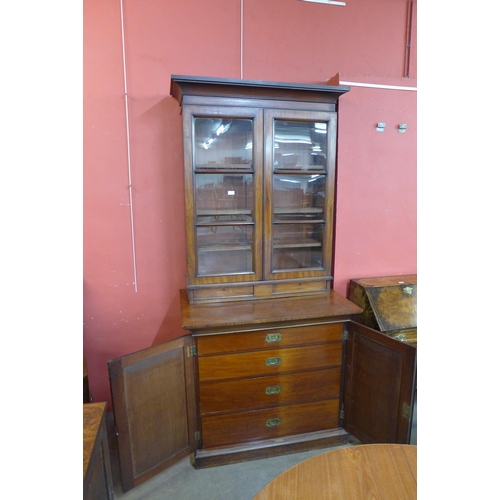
(223, 180)
(153, 403)
(299, 166)
(379, 386)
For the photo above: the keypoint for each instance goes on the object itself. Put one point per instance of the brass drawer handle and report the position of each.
(273, 361)
(273, 422)
(273, 337)
(273, 389)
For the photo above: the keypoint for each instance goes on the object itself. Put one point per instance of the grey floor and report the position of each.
(229, 482)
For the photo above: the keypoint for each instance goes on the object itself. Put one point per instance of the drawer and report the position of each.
(269, 362)
(269, 339)
(276, 390)
(235, 428)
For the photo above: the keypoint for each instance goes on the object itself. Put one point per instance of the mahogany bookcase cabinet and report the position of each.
(266, 366)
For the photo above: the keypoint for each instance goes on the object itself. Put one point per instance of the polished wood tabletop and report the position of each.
(93, 414)
(371, 471)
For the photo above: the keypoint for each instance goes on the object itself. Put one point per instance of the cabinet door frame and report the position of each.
(130, 378)
(190, 112)
(378, 409)
(330, 190)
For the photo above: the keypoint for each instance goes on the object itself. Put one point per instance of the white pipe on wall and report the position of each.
(241, 39)
(128, 147)
(377, 86)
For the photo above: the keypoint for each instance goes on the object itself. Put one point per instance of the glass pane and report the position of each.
(223, 143)
(221, 197)
(300, 145)
(297, 246)
(298, 197)
(224, 249)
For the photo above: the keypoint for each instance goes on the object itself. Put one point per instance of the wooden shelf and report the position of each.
(221, 167)
(223, 211)
(298, 210)
(297, 243)
(224, 247)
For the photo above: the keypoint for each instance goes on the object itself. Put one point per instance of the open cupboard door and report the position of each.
(153, 403)
(379, 386)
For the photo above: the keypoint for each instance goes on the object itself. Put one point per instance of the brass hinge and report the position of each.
(192, 350)
(345, 336)
(406, 411)
(197, 435)
(341, 415)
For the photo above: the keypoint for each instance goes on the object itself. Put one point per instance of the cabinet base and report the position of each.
(268, 448)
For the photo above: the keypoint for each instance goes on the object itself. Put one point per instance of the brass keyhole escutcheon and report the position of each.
(273, 361)
(273, 422)
(273, 389)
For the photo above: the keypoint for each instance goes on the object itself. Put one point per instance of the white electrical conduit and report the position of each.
(128, 148)
(377, 86)
(241, 39)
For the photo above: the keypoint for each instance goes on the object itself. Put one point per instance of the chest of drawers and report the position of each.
(268, 384)
(268, 375)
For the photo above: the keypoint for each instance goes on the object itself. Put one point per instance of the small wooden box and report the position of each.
(389, 305)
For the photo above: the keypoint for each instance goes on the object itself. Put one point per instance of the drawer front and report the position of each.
(235, 428)
(269, 362)
(276, 390)
(269, 339)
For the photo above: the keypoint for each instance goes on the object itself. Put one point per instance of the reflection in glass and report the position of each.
(224, 249)
(297, 246)
(300, 145)
(223, 143)
(298, 197)
(224, 195)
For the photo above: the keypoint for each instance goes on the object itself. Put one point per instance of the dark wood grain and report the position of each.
(266, 448)
(182, 86)
(236, 428)
(153, 402)
(237, 395)
(285, 311)
(255, 363)
(380, 380)
(97, 475)
(269, 339)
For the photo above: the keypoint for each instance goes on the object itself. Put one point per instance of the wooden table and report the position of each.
(97, 476)
(374, 471)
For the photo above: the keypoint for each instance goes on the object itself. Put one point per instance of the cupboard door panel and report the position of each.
(269, 362)
(379, 386)
(153, 404)
(269, 339)
(234, 428)
(269, 391)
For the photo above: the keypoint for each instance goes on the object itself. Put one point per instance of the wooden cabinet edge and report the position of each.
(268, 448)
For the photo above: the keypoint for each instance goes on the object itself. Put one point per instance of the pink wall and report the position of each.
(283, 40)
